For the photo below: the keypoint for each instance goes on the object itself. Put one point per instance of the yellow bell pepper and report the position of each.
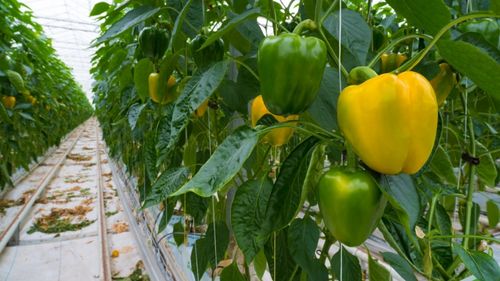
(390, 121)
(389, 62)
(443, 82)
(168, 96)
(9, 101)
(276, 137)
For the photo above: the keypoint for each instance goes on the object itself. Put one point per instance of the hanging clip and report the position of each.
(469, 158)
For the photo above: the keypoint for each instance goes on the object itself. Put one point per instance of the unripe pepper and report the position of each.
(389, 62)
(390, 121)
(443, 82)
(351, 204)
(278, 136)
(208, 55)
(153, 42)
(168, 96)
(9, 101)
(290, 69)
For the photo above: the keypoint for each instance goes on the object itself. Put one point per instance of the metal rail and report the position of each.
(11, 228)
(103, 230)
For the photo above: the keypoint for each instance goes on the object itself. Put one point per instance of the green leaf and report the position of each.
(197, 90)
(167, 183)
(349, 266)
(177, 30)
(141, 77)
(179, 233)
(285, 200)
(223, 165)
(402, 194)
(377, 271)
(443, 221)
(246, 36)
(356, 34)
(493, 213)
(149, 153)
(486, 170)
(473, 63)
(260, 264)
(166, 68)
(479, 41)
(430, 15)
(278, 256)
(248, 214)
(133, 17)
(133, 114)
(442, 167)
(234, 22)
(99, 8)
(232, 273)
(324, 108)
(400, 265)
(205, 249)
(3, 114)
(303, 236)
(482, 266)
(196, 206)
(27, 116)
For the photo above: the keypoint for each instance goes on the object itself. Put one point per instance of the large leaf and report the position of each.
(377, 271)
(346, 264)
(482, 266)
(141, 77)
(247, 215)
(205, 249)
(196, 206)
(493, 212)
(442, 167)
(474, 63)
(278, 257)
(99, 8)
(246, 36)
(179, 21)
(198, 89)
(223, 164)
(402, 194)
(133, 17)
(232, 23)
(430, 15)
(133, 114)
(400, 265)
(486, 170)
(285, 200)
(324, 108)
(232, 273)
(303, 236)
(356, 34)
(168, 182)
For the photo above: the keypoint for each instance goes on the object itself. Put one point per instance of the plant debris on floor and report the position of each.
(62, 220)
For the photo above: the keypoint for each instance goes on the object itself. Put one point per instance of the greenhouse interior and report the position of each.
(249, 140)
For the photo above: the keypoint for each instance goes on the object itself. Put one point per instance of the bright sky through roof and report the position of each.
(68, 24)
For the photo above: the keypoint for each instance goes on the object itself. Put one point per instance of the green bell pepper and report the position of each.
(291, 69)
(208, 55)
(351, 204)
(153, 42)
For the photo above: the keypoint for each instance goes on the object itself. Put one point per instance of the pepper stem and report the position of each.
(351, 157)
(305, 24)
